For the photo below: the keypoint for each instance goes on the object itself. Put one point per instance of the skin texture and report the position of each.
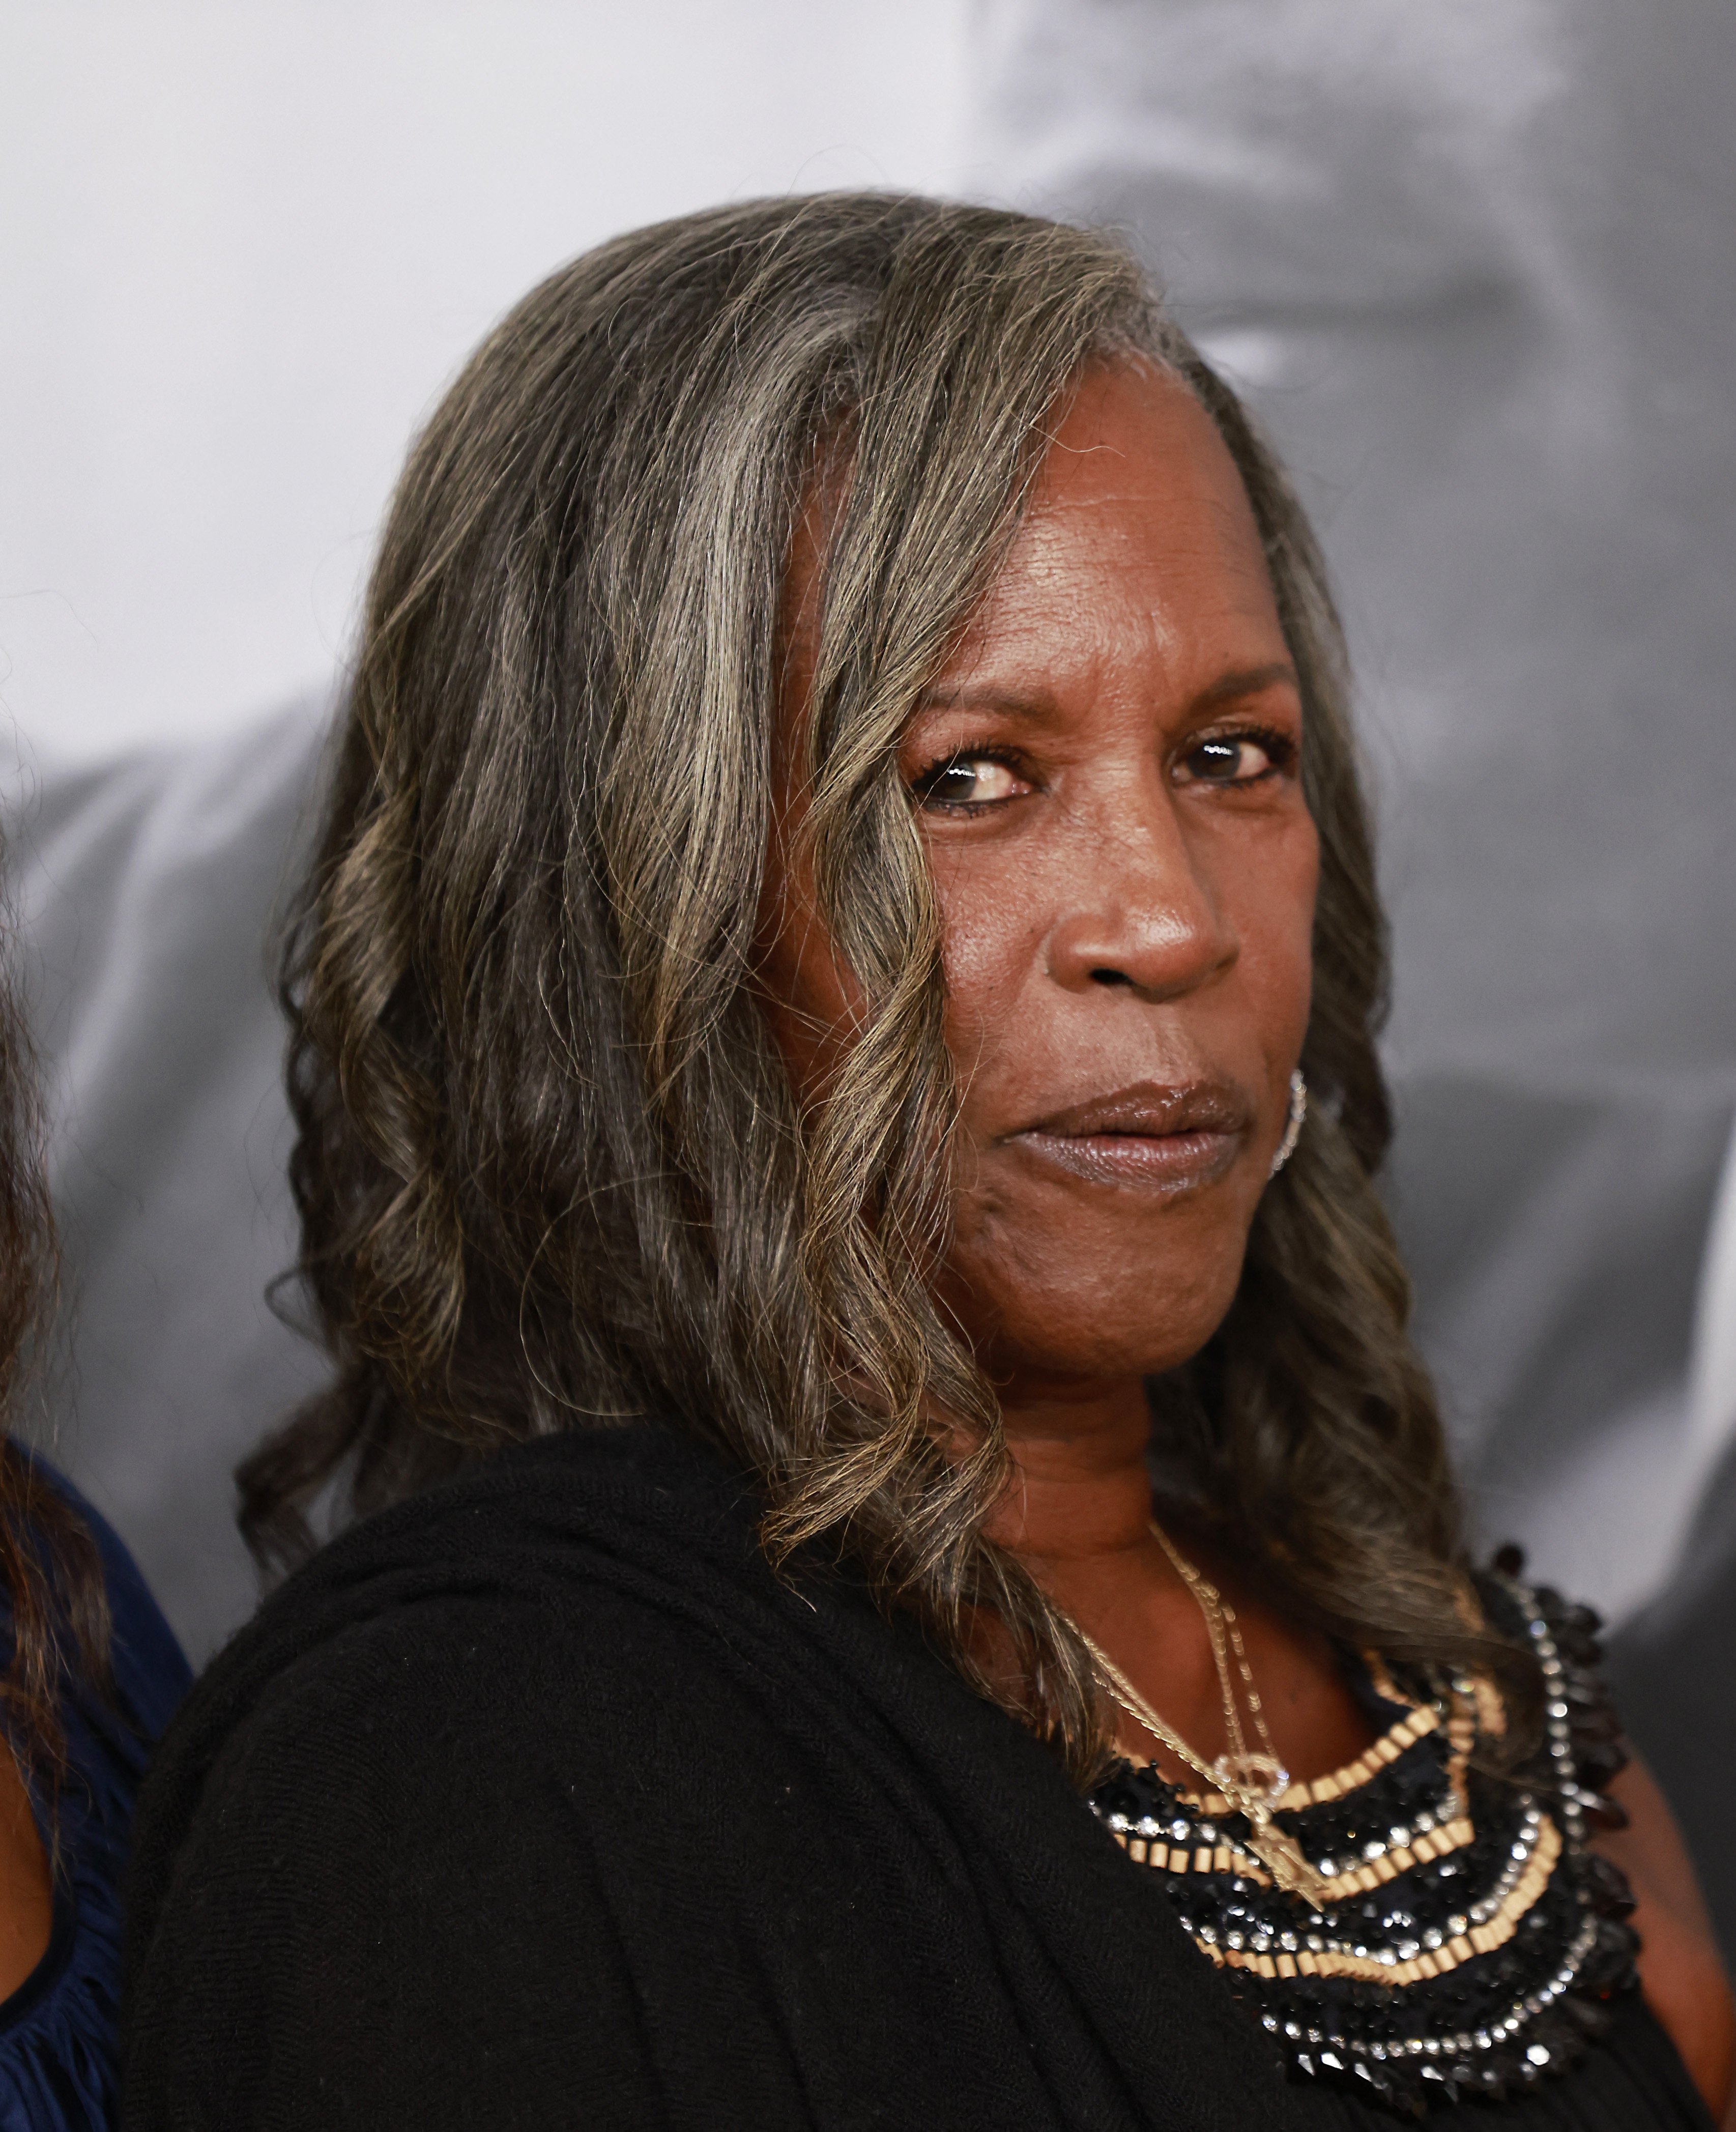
(26, 1897)
(1107, 775)
(1680, 1966)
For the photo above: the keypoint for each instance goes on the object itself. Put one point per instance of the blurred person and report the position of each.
(89, 1672)
(908, 1571)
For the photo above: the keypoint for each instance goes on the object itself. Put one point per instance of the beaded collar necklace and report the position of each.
(1455, 1935)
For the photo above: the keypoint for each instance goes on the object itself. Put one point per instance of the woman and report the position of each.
(89, 1671)
(833, 1052)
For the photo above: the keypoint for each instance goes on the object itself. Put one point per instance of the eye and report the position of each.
(965, 782)
(1236, 758)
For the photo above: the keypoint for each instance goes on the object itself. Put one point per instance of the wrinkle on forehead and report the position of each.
(1075, 555)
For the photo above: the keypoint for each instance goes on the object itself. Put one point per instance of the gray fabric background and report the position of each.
(147, 888)
(1472, 264)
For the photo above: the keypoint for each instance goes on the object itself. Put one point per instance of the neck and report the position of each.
(1077, 1514)
(1080, 1494)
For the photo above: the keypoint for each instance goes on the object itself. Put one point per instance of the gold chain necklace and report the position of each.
(1251, 1783)
(1263, 1771)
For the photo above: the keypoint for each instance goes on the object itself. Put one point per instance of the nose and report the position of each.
(1137, 912)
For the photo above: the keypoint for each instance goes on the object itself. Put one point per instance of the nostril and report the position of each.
(1108, 977)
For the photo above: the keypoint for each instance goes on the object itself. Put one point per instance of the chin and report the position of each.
(1071, 1283)
(1082, 1320)
(1141, 1350)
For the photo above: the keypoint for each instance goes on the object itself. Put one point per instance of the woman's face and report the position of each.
(1107, 776)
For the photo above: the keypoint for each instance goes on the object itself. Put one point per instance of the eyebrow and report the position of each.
(1244, 681)
(986, 699)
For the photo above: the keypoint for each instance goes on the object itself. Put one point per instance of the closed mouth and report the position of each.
(1150, 1136)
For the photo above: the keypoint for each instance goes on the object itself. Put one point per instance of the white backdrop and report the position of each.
(241, 246)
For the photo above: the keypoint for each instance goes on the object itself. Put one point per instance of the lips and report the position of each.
(1149, 1137)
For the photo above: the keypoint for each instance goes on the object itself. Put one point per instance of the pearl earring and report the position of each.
(1293, 1130)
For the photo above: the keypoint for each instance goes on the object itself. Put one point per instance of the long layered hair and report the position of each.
(51, 1573)
(551, 1169)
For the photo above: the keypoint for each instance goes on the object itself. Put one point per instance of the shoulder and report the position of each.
(486, 1764)
(57, 2026)
(566, 1614)
(442, 1676)
(547, 1675)
(397, 1878)
(146, 1665)
(1627, 1823)
(449, 1739)
(604, 1557)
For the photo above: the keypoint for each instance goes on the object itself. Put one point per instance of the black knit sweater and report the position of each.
(537, 1800)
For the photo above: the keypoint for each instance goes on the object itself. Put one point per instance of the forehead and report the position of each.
(1138, 527)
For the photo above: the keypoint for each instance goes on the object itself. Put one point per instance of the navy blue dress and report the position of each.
(59, 2070)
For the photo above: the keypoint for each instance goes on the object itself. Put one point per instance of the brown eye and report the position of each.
(1230, 759)
(968, 781)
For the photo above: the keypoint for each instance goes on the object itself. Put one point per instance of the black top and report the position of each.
(537, 1800)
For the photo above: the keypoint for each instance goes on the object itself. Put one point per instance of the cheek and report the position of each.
(991, 931)
(1274, 912)
(1043, 1277)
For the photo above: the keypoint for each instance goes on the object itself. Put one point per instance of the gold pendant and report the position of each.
(1260, 1776)
(1281, 1855)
